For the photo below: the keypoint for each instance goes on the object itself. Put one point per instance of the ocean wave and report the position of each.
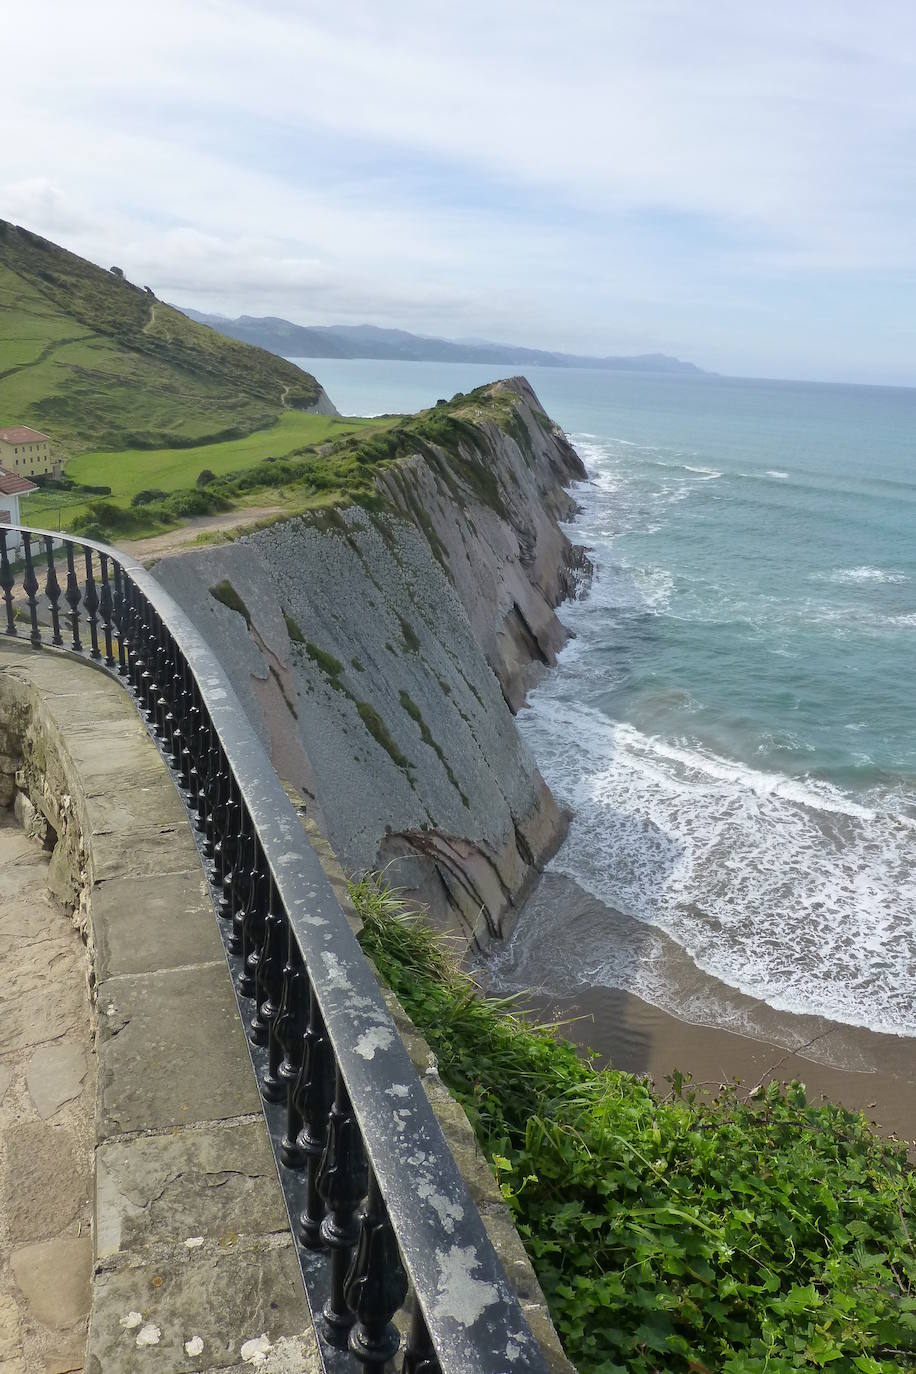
(707, 473)
(860, 576)
(788, 889)
(778, 474)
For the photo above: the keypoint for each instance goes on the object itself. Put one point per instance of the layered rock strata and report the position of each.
(381, 655)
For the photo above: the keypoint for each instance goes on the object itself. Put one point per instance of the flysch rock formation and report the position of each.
(381, 656)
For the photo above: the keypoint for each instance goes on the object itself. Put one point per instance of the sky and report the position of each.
(729, 182)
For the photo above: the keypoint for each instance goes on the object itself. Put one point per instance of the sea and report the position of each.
(733, 723)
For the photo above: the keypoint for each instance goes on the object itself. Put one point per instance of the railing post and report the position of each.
(73, 598)
(420, 1356)
(30, 587)
(7, 583)
(269, 980)
(291, 1032)
(343, 1181)
(52, 592)
(314, 1096)
(91, 605)
(376, 1285)
(120, 617)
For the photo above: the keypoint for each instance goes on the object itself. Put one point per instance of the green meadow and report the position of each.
(129, 471)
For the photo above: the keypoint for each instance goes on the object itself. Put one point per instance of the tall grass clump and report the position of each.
(741, 1234)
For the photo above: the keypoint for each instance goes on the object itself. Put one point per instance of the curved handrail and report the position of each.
(366, 1170)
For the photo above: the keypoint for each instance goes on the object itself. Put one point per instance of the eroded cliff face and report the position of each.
(381, 655)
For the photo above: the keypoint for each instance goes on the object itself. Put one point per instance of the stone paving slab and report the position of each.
(144, 924)
(186, 1189)
(171, 1051)
(142, 853)
(199, 1312)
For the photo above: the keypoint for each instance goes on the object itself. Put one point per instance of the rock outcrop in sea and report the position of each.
(381, 655)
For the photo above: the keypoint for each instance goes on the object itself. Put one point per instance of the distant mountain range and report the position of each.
(367, 341)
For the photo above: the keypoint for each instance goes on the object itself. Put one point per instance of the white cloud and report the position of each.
(548, 169)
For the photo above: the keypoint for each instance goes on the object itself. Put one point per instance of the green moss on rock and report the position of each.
(226, 595)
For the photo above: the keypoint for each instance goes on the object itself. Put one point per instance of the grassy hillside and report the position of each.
(102, 364)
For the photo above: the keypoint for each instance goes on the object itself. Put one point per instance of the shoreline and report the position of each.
(749, 1041)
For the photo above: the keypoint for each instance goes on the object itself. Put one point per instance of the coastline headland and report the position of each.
(381, 650)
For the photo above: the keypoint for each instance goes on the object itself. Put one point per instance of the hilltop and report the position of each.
(101, 363)
(368, 341)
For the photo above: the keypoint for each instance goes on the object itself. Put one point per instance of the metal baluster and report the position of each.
(164, 670)
(106, 605)
(177, 703)
(291, 1028)
(376, 1285)
(52, 592)
(136, 641)
(229, 854)
(30, 587)
(269, 979)
(7, 583)
(120, 617)
(252, 925)
(420, 1356)
(194, 751)
(91, 605)
(239, 882)
(229, 859)
(73, 598)
(343, 1180)
(273, 1085)
(315, 1093)
(214, 794)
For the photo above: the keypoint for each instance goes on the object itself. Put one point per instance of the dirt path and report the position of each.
(158, 546)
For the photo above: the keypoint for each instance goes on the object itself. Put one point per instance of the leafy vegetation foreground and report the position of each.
(672, 1234)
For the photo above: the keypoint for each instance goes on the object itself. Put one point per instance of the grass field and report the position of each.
(132, 470)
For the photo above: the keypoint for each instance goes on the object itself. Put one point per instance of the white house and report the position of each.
(12, 486)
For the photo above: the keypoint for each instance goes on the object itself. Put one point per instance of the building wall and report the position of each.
(9, 515)
(27, 460)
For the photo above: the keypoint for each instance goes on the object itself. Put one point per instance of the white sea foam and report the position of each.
(707, 473)
(861, 576)
(778, 474)
(787, 889)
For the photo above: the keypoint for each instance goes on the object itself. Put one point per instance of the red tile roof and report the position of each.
(21, 434)
(11, 484)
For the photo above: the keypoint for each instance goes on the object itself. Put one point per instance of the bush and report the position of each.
(186, 504)
(740, 1235)
(147, 496)
(205, 477)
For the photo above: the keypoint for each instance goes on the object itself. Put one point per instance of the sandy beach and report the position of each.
(859, 1068)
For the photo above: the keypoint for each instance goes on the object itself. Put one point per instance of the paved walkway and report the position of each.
(47, 1120)
(185, 1256)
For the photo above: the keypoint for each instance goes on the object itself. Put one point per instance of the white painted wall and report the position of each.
(11, 504)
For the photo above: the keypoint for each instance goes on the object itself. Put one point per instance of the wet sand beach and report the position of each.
(728, 1036)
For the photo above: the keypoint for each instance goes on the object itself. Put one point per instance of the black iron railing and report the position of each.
(377, 1206)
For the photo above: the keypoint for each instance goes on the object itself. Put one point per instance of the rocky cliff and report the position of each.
(381, 654)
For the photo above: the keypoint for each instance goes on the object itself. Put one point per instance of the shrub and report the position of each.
(147, 496)
(205, 477)
(742, 1235)
(185, 504)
